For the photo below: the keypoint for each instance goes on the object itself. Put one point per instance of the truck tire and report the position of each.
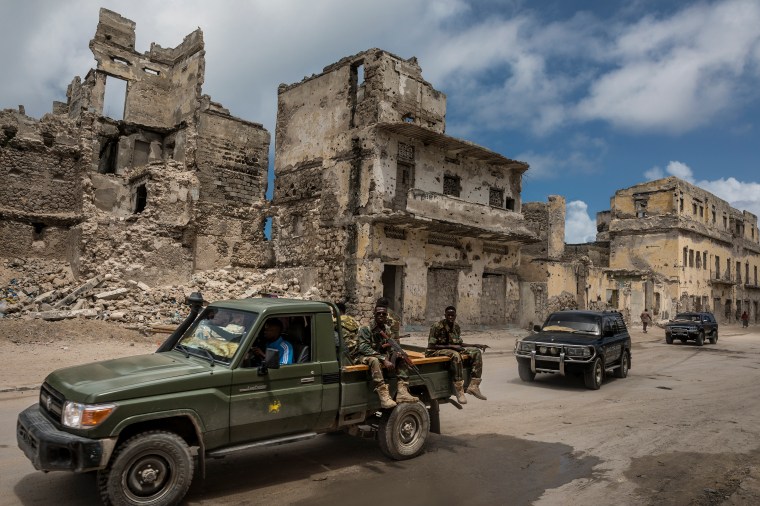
(714, 337)
(700, 338)
(524, 371)
(622, 371)
(402, 431)
(594, 375)
(152, 468)
(669, 338)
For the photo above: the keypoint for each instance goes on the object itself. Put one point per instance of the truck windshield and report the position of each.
(216, 334)
(687, 316)
(576, 324)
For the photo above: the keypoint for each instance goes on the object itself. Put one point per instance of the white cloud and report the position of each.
(654, 173)
(680, 170)
(676, 74)
(579, 227)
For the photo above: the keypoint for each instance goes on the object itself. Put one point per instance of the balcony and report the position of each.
(750, 286)
(721, 280)
(443, 214)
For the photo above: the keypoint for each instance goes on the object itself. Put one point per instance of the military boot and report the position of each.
(474, 388)
(385, 398)
(459, 391)
(403, 395)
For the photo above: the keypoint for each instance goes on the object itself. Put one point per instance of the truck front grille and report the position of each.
(51, 401)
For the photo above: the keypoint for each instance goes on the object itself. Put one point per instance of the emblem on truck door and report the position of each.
(274, 407)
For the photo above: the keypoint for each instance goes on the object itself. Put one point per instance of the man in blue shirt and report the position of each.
(275, 341)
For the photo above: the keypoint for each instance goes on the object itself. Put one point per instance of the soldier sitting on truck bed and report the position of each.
(446, 339)
(373, 350)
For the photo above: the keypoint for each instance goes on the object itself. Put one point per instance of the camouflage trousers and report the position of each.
(476, 359)
(375, 365)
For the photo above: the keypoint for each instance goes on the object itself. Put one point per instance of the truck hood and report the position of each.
(128, 377)
(561, 338)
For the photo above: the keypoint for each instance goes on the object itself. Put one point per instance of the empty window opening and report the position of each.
(39, 231)
(755, 283)
(717, 267)
(713, 214)
(685, 256)
(151, 71)
(109, 150)
(739, 272)
(680, 204)
(698, 260)
(451, 186)
(120, 61)
(268, 228)
(691, 258)
(746, 273)
(509, 204)
(115, 98)
(404, 182)
(641, 208)
(496, 197)
(612, 299)
(356, 86)
(704, 260)
(141, 198)
(694, 208)
(408, 118)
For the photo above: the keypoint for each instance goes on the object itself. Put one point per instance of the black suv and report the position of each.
(693, 326)
(591, 343)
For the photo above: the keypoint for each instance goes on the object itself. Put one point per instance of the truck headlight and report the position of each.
(85, 416)
(526, 347)
(578, 352)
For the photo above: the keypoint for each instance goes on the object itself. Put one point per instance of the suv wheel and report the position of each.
(524, 371)
(594, 375)
(714, 337)
(669, 338)
(701, 338)
(622, 371)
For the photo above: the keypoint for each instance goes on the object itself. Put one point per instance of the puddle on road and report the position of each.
(482, 469)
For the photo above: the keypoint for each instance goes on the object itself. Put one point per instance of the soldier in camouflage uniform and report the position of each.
(350, 329)
(373, 351)
(445, 339)
(394, 320)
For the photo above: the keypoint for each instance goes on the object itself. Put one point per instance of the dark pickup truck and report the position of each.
(692, 326)
(590, 343)
(134, 420)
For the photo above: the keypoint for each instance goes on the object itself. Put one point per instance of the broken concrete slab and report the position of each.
(112, 294)
(71, 297)
(63, 315)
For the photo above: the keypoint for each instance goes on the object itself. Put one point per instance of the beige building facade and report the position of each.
(665, 246)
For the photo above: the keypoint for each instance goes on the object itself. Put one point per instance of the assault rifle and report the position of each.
(458, 347)
(398, 353)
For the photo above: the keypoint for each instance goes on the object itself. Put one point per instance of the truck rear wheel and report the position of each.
(153, 468)
(402, 432)
(700, 338)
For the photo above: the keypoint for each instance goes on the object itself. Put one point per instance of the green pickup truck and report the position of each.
(213, 386)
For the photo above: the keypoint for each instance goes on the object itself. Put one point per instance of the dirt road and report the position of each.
(681, 429)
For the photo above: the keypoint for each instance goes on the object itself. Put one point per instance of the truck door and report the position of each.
(612, 344)
(284, 401)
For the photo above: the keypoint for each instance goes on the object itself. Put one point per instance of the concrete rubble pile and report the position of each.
(46, 289)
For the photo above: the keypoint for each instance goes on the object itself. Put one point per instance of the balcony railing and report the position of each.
(443, 213)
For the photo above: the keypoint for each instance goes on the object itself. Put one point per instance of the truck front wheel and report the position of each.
(153, 468)
(402, 432)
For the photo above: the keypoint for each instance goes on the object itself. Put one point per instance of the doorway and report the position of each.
(393, 287)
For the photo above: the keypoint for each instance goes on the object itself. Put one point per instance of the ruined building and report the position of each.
(166, 185)
(704, 252)
(372, 198)
(664, 245)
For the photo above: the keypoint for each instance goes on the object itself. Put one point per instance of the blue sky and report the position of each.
(595, 95)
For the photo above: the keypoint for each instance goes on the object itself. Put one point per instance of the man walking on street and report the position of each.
(445, 339)
(646, 319)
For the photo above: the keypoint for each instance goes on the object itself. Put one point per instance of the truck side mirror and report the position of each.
(272, 361)
(536, 328)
